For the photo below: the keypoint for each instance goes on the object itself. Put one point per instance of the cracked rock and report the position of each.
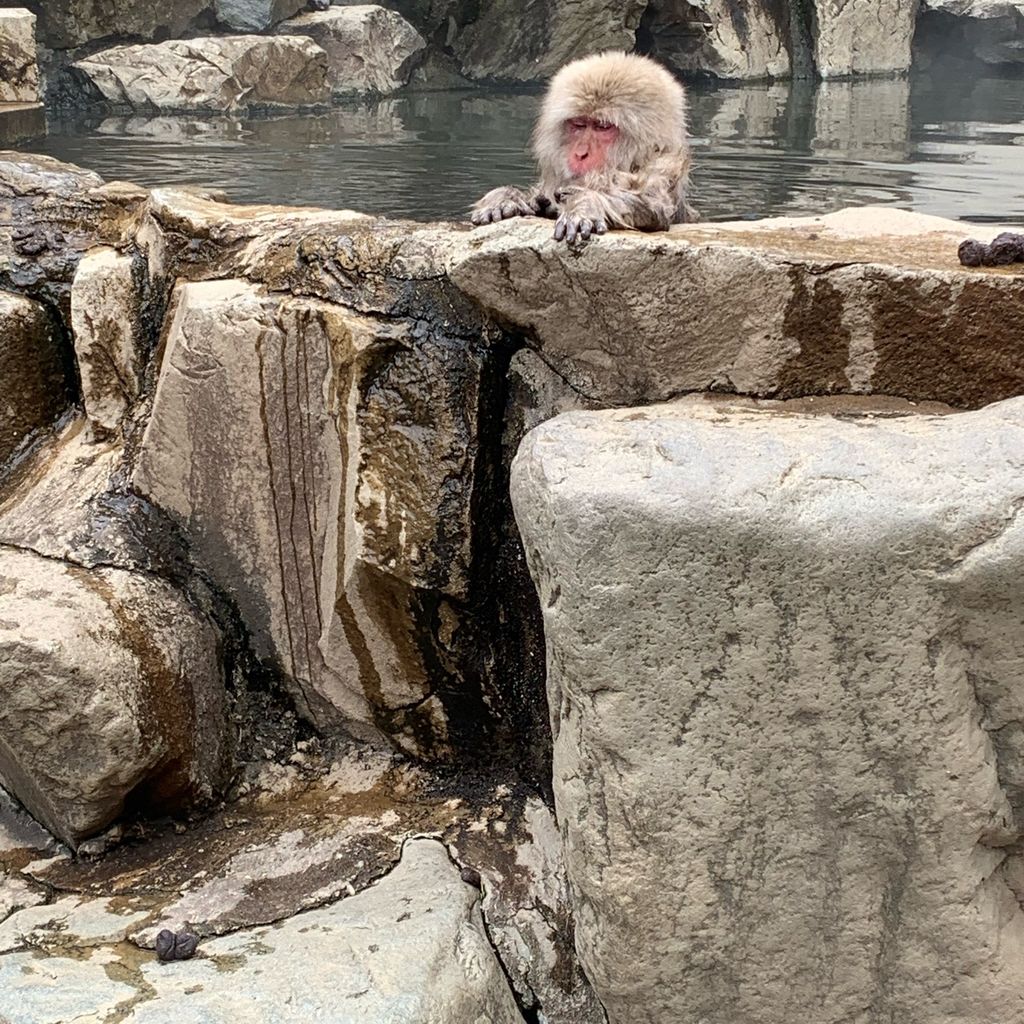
(784, 643)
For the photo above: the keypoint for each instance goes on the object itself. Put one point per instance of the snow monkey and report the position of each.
(612, 148)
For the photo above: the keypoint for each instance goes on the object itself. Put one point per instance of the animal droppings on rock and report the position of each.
(175, 946)
(1004, 249)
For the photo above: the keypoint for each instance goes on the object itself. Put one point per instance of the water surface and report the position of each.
(941, 145)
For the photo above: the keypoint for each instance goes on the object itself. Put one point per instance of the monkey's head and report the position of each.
(605, 113)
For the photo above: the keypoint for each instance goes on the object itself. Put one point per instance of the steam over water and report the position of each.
(937, 144)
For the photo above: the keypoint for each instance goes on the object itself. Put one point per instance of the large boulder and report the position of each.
(785, 654)
(326, 477)
(719, 37)
(215, 73)
(870, 300)
(254, 15)
(19, 73)
(35, 381)
(369, 48)
(113, 689)
(855, 38)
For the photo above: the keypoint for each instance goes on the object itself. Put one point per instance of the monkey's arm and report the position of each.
(650, 201)
(508, 201)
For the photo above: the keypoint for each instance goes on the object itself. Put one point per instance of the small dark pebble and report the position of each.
(471, 877)
(180, 946)
(1006, 248)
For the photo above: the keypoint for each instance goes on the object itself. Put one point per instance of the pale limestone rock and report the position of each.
(19, 72)
(70, 23)
(255, 15)
(106, 320)
(111, 685)
(870, 300)
(856, 38)
(720, 37)
(369, 48)
(34, 391)
(212, 74)
(311, 503)
(786, 676)
(412, 948)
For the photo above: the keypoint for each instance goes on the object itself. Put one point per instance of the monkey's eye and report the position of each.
(578, 124)
(603, 126)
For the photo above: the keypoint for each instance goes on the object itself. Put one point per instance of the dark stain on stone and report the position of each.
(813, 318)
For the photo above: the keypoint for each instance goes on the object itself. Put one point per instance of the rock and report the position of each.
(411, 948)
(72, 23)
(112, 689)
(718, 37)
(498, 42)
(329, 467)
(254, 15)
(110, 342)
(989, 31)
(19, 73)
(51, 213)
(210, 74)
(369, 49)
(20, 122)
(854, 38)
(869, 300)
(35, 387)
(783, 651)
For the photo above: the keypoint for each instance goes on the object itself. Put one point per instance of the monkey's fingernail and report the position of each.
(559, 231)
(600, 227)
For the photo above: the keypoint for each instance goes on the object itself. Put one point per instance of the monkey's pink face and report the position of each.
(588, 143)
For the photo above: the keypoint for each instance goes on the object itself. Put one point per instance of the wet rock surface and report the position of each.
(19, 74)
(826, 725)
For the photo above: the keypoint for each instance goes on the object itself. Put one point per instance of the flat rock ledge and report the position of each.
(785, 650)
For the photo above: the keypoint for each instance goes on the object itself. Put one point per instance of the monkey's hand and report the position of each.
(501, 204)
(584, 212)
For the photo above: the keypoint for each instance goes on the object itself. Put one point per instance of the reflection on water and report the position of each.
(952, 147)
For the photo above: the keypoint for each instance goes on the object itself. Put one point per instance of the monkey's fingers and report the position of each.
(560, 228)
(600, 226)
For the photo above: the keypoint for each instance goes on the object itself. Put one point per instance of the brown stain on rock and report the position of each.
(814, 319)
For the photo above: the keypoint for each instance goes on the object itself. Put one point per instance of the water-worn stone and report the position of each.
(411, 948)
(869, 300)
(369, 48)
(855, 38)
(785, 653)
(34, 386)
(323, 468)
(19, 73)
(719, 37)
(112, 686)
(254, 15)
(214, 73)
(106, 319)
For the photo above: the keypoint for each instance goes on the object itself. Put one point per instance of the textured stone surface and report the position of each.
(19, 74)
(785, 653)
(369, 49)
(319, 494)
(868, 300)
(110, 344)
(857, 38)
(991, 31)
(411, 948)
(719, 37)
(498, 40)
(34, 388)
(254, 15)
(215, 73)
(112, 686)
